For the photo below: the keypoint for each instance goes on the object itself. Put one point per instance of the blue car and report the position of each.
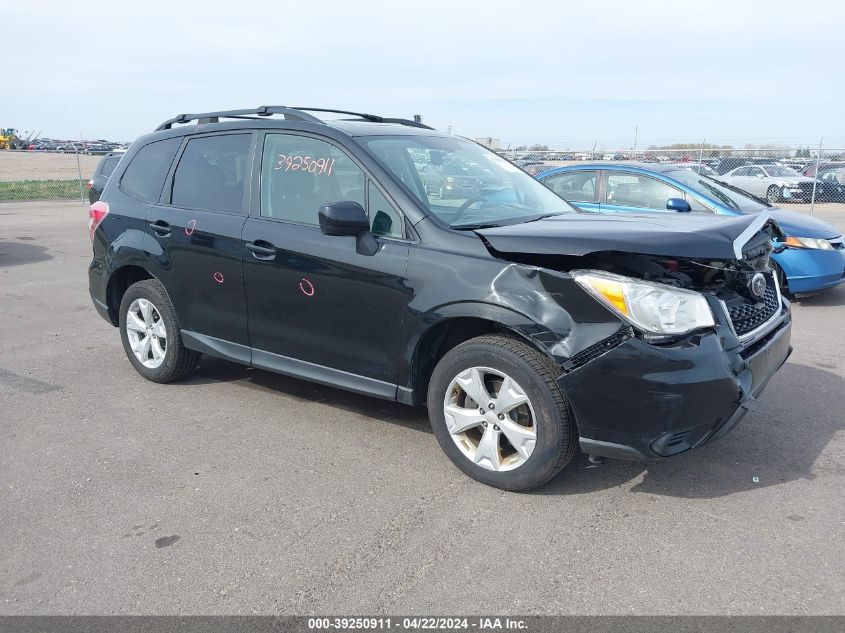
(812, 260)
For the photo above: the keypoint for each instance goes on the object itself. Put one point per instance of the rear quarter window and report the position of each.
(144, 177)
(109, 163)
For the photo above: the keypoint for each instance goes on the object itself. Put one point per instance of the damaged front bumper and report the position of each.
(635, 400)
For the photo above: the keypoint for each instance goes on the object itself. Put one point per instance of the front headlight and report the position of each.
(653, 308)
(809, 242)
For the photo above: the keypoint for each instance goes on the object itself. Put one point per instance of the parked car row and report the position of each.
(74, 147)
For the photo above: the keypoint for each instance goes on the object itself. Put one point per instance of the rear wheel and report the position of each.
(499, 415)
(151, 336)
(773, 194)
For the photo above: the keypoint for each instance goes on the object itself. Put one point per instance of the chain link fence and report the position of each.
(46, 175)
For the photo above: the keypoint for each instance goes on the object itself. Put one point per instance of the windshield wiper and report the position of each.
(473, 227)
(546, 215)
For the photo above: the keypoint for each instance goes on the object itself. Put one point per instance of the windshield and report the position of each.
(462, 183)
(778, 171)
(716, 190)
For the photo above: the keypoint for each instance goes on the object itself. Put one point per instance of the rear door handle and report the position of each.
(261, 249)
(160, 228)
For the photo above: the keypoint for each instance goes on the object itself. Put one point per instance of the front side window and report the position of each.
(637, 190)
(210, 174)
(300, 174)
(574, 186)
(144, 178)
(384, 219)
(462, 183)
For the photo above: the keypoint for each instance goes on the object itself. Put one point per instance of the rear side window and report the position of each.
(109, 163)
(144, 177)
(210, 174)
(299, 174)
(574, 186)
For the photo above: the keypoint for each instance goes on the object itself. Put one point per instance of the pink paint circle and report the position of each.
(218, 277)
(189, 229)
(307, 288)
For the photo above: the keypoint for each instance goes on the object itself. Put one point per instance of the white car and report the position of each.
(773, 182)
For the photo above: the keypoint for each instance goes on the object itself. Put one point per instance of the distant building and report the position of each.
(490, 142)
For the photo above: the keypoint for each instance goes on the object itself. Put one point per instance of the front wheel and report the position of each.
(773, 194)
(151, 336)
(499, 415)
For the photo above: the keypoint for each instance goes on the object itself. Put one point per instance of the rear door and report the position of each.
(317, 307)
(197, 228)
(577, 187)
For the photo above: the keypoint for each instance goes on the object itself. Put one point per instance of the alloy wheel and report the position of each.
(490, 419)
(146, 333)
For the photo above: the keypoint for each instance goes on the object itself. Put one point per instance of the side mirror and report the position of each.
(349, 218)
(343, 218)
(678, 204)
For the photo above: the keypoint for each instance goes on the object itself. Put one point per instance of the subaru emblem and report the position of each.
(757, 285)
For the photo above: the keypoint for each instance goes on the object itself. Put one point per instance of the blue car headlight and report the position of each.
(809, 242)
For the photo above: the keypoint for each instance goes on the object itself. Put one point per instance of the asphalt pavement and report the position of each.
(241, 491)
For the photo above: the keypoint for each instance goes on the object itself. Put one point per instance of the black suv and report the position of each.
(314, 249)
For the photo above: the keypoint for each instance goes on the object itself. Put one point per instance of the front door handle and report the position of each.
(160, 228)
(261, 249)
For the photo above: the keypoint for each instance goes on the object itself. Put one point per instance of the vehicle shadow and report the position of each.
(800, 413)
(213, 370)
(830, 298)
(19, 253)
(780, 441)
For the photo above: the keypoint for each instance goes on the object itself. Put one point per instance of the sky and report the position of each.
(567, 74)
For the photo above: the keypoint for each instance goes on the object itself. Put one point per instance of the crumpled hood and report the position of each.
(799, 224)
(665, 234)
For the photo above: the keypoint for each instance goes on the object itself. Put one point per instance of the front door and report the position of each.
(317, 307)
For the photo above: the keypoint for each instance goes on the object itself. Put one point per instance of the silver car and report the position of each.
(776, 183)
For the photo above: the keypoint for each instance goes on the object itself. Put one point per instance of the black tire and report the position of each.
(179, 361)
(773, 194)
(535, 373)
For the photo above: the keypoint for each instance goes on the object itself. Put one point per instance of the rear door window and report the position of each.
(144, 177)
(210, 174)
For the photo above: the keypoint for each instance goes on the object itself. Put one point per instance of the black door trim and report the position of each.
(291, 366)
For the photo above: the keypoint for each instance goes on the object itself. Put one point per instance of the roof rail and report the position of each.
(374, 118)
(214, 117)
(297, 114)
